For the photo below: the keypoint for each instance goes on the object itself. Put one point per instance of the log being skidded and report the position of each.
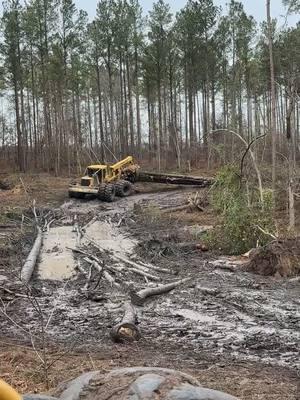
(174, 179)
(29, 265)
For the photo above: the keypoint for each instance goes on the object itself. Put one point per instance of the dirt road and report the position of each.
(235, 331)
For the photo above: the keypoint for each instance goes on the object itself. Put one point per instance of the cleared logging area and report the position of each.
(140, 276)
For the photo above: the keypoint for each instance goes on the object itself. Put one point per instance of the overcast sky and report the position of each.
(253, 7)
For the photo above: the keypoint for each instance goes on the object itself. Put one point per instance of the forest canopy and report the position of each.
(155, 86)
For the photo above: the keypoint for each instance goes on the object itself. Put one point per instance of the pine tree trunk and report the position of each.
(160, 125)
(102, 152)
(121, 102)
(131, 125)
(111, 101)
(137, 104)
(213, 107)
(18, 125)
(89, 112)
(273, 94)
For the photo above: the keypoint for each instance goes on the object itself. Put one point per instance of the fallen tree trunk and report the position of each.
(174, 179)
(126, 330)
(139, 298)
(28, 267)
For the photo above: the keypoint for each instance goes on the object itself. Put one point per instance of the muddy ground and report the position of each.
(235, 331)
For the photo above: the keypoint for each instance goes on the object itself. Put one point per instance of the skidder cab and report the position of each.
(106, 180)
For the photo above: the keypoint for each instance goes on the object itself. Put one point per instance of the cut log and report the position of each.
(126, 330)
(174, 179)
(28, 267)
(139, 298)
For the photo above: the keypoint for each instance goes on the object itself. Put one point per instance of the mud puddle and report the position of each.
(57, 261)
(109, 237)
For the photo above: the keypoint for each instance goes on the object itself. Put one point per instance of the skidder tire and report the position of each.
(101, 191)
(109, 193)
(123, 188)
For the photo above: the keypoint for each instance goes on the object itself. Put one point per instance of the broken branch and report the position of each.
(138, 298)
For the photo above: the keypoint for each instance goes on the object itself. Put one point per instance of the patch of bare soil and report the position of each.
(21, 189)
(280, 258)
(234, 331)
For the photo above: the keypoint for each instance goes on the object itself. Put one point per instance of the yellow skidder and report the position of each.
(7, 392)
